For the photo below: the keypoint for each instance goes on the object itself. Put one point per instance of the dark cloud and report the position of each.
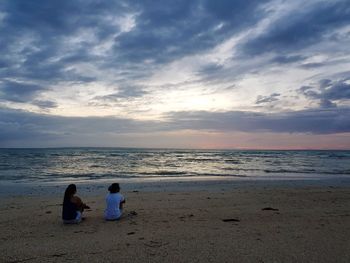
(282, 59)
(17, 125)
(35, 36)
(173, 29)
(45, 104)
(47, 44)
(324, 83)
(164, 31)
(267, 99)
(316, 121)
(18, 92)
(52, 18)
(23, 126)
(131, 91)
(125, 92)
(328, 91)
(312, 65)
(339, 90)
(235, 12)
(305, 27)
(210, 69)
(324, 103)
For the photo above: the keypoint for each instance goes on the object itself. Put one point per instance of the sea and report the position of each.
(63, 165)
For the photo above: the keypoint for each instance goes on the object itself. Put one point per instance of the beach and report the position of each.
(224, 124)
(248, 223)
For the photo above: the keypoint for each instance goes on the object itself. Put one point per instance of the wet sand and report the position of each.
(252, 224)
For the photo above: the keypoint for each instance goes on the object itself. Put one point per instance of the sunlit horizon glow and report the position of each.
(269, 74)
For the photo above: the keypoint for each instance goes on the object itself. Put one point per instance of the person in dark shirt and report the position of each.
(73, 206)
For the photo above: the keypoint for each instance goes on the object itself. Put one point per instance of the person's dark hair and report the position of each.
(70, 191)
(114, 188)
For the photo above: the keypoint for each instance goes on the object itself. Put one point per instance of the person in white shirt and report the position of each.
(114, 202)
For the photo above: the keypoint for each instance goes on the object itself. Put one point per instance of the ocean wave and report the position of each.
(164, 173)
(201, 159)
(96, 164)
(241, 169)
(232, 161)
(185, 175)
(307, 171)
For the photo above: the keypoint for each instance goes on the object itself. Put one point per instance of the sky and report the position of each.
(223, 74)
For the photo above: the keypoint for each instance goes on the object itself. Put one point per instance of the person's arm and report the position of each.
(122, 202)
(79, 203)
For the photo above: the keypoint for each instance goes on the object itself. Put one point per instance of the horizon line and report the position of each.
(174, 148)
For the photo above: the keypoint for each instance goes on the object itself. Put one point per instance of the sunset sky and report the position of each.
(241, 74)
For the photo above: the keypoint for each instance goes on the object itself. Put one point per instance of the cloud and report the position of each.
(20, 126)
(45, 104)
(24, 127)
(120, 57)
(210, 69)
(337, 91)
(41, 39)
(131, 91)
(316, 121)
(328, 91)
(324, 103)
(174, 29)
(17, 91)
(267, 99)
(300, 29)
(282, 59)
(313, 65)
(67, 42)
(124, 95)
(161, 32)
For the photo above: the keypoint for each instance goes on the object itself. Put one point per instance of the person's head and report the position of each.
(114, 188)
(70, 191)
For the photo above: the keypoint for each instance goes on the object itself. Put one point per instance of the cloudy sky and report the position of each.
(186, 74)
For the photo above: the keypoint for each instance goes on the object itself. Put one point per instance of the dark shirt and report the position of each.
(69, 211)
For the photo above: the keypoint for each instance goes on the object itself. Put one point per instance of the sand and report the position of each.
(301, 224)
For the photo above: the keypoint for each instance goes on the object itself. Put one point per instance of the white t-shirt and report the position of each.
(113, 201)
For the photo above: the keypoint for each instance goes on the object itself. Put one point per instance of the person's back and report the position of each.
(114, 201)
(72, 206)
(69, 211)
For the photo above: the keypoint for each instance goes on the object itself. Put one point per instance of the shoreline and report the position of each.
(166, 184)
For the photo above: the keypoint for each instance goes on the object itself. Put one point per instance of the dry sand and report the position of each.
(311, 225)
